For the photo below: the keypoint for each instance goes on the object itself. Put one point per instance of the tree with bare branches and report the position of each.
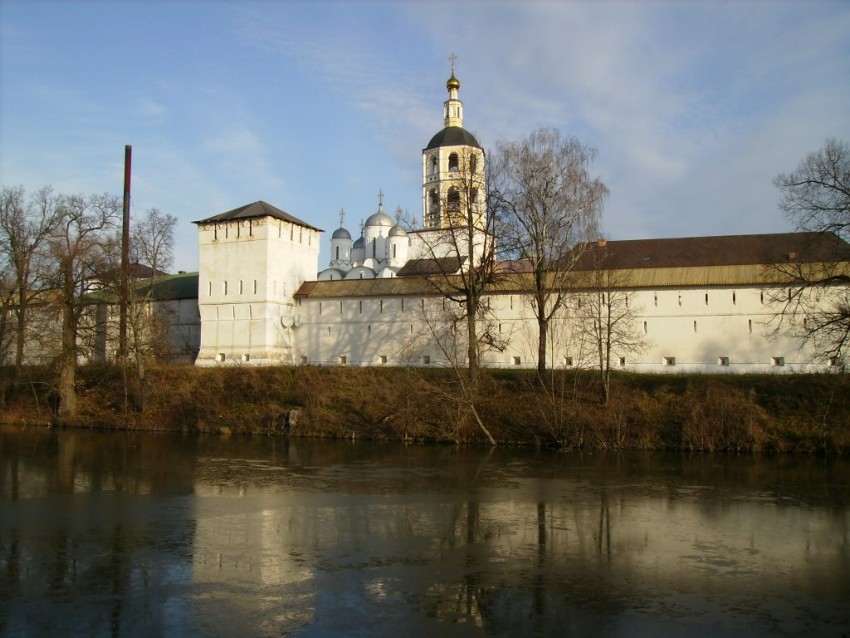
(83, 247)
(816, 196)
(151, 245)
(25, 226)
(7, 307)
(605, 318)
(152, 240)
(460, 264)
(551, 205)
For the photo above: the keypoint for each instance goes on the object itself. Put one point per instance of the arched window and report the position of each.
(337, 252)
(474, 196)
(453, 165)
(473, 164)
(433, 201)
(453, 200)
(433, 165)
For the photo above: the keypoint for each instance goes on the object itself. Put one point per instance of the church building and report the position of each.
(705, 304)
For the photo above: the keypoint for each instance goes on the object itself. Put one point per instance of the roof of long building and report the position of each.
(735, 260)
(725, 250)
(427, 267)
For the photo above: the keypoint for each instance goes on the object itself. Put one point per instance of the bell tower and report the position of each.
(452, 168)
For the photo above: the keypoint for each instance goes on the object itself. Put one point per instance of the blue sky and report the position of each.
(694, 107)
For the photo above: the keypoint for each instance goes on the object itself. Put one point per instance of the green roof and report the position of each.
(183, 285)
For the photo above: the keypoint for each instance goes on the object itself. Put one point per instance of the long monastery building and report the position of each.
(707, 304)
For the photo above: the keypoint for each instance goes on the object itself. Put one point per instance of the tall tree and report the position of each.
(83, 246)
(7, 306)
(606, 318)
(25, 226)
(460, 264)
(551, 206)
(816, 197)
(152, 245)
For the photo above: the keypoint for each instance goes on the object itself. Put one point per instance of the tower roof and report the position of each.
(453, 136)
(341, 233)
(257, 209)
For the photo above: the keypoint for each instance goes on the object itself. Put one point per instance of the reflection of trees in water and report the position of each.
(75, 461)
(505, 541)
(603, 536)
(536, 588)
(539, 586)
(83, 556)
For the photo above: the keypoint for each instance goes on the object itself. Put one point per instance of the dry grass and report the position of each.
(805, 413)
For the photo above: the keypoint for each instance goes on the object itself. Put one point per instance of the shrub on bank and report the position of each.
(802, 413)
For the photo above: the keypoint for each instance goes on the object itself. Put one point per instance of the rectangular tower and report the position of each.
(252, 260)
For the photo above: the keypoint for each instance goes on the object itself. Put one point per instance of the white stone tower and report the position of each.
(252, 261)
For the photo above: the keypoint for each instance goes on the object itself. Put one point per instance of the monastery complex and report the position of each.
(699, 304)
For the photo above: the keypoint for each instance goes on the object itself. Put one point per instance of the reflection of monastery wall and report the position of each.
(310, 546)
(177, 536)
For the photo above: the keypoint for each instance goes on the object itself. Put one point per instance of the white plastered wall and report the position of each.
(249, 271)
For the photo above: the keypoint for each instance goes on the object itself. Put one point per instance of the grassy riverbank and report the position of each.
(785, 413)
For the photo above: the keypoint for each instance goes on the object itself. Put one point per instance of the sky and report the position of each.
(694, 107)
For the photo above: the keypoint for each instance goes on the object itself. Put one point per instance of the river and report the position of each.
(116, 534)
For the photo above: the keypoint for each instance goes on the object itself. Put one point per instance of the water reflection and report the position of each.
(117, 534)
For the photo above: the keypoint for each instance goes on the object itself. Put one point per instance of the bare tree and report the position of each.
(816, 197)
(461, 254)
(551, 206)
(460, 264)
(606, 319)
(83, 248)
(7, 307)
(152, 245)
(815, 306)
(25, 226)
(152, 240)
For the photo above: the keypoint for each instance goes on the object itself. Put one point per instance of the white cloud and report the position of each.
(237, 140)
(147, 107)
(693, 106)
